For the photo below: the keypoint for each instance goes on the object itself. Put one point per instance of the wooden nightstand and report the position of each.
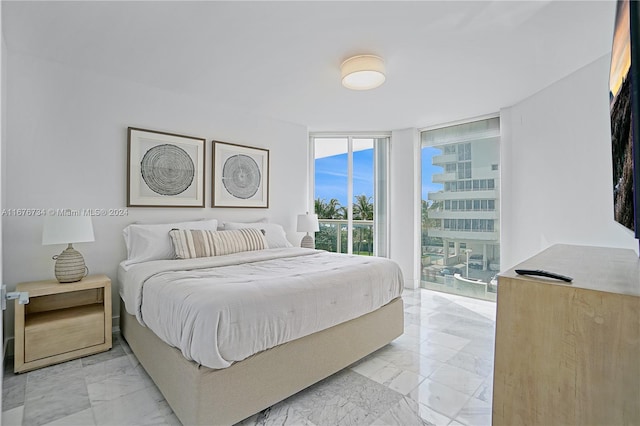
(62, 321)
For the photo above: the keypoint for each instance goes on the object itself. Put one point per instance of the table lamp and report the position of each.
(308, 223)
(70, 266)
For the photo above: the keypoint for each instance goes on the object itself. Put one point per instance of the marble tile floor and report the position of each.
(438, 373)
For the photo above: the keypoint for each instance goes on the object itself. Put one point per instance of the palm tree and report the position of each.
(330, 210)
(424, 217)
(362, 210)
(326, 238)
(429, 223)
(320, 207)
(335, 210)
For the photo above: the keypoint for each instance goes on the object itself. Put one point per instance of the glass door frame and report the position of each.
(378, 249)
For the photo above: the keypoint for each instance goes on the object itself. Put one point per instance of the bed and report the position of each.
(226, 336)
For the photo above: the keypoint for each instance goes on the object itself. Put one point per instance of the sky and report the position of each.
(621, 50)
(331, 175)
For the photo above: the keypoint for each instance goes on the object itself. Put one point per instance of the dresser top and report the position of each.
(604, 269)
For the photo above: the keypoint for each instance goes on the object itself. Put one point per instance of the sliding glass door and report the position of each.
(350, 193)
(460, 250)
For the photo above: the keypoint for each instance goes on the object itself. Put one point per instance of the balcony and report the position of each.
(333, 236)
(458, 274)
(443, 177)
(482, 194)
(437, 160)
(484, 288)
(463, 214)
(492, 236)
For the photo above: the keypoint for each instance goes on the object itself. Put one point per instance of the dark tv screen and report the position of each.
(624, 105)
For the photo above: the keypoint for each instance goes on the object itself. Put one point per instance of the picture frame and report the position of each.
(240, 176)
(164, 169)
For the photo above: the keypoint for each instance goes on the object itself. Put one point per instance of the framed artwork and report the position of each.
(164, 169)
(240, 176)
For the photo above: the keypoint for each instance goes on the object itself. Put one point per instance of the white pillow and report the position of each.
(274, 233)
(152, 242)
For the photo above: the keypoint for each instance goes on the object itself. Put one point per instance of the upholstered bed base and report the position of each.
(202, 396)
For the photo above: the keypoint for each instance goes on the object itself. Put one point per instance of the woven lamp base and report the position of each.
(307, 242)
(70, 266)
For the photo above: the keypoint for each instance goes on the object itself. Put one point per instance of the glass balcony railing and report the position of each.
(333, 236)
(462, 273)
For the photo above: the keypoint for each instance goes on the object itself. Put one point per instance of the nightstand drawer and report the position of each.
(63, 330)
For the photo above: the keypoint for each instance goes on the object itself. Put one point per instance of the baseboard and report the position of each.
(411, 284)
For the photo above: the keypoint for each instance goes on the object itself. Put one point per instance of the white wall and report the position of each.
(404, 214)
(66, 147)
(556, 168)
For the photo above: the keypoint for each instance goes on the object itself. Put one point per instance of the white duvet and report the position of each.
(219, 310)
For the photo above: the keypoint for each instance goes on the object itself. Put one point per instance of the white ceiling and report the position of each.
(446, 60)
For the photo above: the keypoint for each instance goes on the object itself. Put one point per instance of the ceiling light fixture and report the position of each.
(363, 72)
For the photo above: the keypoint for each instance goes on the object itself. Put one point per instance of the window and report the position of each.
(468, 205)
(350, 193)
(464, 170)
(464, 151)
(465, 158)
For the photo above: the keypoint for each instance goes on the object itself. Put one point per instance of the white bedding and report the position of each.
(218, 310)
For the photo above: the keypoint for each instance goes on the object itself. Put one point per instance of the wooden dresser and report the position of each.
(569, 353)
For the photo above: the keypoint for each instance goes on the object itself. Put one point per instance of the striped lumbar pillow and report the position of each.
(192, 243)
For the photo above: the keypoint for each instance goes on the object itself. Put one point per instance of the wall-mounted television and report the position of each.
(624, 93)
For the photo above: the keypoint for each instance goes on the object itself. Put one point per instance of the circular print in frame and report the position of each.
(241, 176)
(167, 169)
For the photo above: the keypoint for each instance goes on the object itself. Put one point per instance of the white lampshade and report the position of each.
(67, 229)
(308, 223)
(363, 72)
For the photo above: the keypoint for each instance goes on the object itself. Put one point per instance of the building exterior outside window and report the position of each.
(461, 217)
